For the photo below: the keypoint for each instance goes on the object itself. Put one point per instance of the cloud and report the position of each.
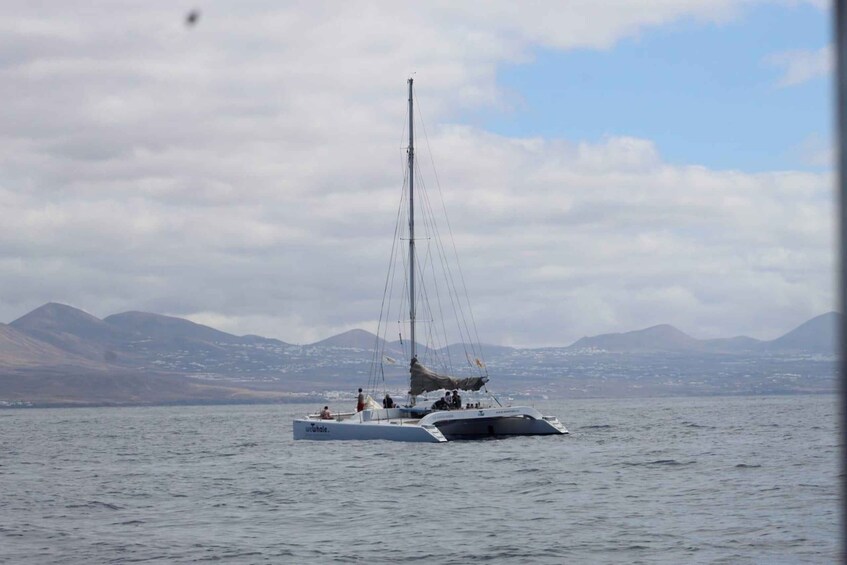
(802, 65)
(821, 5)
(607, 229)
(245, 172)
(815, 151)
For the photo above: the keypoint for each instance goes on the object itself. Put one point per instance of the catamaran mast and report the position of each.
(412, 223)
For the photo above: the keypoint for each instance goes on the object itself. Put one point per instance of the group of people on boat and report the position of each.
(387, 402)
(449, 402)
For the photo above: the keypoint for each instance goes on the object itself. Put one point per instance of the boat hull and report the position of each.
(494, 422)
(324, 430)
(435, 427)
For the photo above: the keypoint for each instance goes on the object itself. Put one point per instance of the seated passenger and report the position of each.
(448, 400)
(387, 402)
(326, 414)
(440, 405)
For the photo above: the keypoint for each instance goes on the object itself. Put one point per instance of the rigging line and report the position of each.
(438, 341)
(438, 321)
(403, 130)
(461, 321)
(384, 318)
(401, 257)
(379, 346)
(450, 231)
(430, 223)
(390, 301)
(434, 343)
(464, 329)
(397, 229)
(379, 351)
(423, 268)
(433, 340)
(491, 395)
(399, 226)
(405, 290)
(459, 306)
(422, 295)
(462, 325)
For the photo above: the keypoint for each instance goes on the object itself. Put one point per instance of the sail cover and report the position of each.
(424, 380)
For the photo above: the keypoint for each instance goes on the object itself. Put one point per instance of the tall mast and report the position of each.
(412, 221)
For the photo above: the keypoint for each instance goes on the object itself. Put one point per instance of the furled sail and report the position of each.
(371, 404)
(424, 380)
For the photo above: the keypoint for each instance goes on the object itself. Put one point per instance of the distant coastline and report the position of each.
(58, 355)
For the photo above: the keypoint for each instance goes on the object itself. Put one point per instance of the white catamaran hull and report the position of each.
(368, 424)
(435, 427)
(494, 422)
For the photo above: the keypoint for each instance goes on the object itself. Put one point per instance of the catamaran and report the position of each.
(426, 423)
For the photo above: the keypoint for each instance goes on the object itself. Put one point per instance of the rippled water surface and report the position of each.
(733, 480)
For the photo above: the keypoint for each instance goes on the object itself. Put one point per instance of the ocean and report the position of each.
(671, 480)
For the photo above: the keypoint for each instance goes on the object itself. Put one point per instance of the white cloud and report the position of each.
(814, 151)
(245, 172)
(802, 65)
(822, 5)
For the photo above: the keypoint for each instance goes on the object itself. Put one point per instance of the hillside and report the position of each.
(18, 349)
(60, 354)
(71, 330)
(353, 339)
(163, 328)
(656, 338)
(818, 335)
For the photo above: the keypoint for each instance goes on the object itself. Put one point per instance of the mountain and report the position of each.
(738, 344)
(60, 354)
(256, 339)
(656, 338)
(353, 339)
(158, 327)
(818, 335)
(71, 330)
(18, 349)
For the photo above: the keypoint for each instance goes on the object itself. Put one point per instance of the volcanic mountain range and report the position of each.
(60, 354)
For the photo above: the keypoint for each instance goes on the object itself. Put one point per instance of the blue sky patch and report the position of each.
(706, 94)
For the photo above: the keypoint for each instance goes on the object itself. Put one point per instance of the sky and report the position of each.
(607, 165)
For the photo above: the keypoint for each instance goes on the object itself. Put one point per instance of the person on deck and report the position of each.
(448, 400)
(456, 400)
(326, 414)
(360, 401)
(387, 402)
(440, 405)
